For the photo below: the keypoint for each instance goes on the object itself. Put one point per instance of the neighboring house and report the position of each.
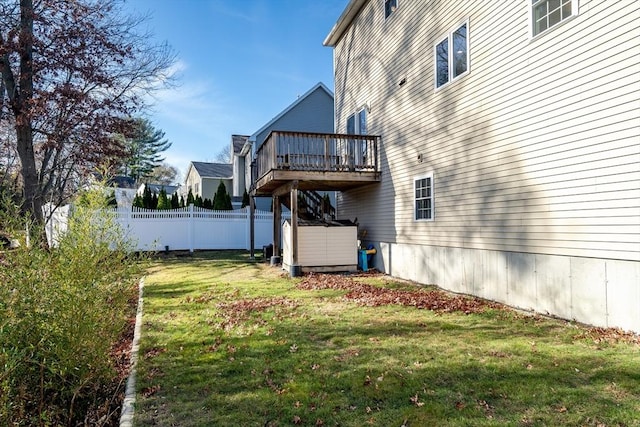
(203, 178)
(510, 148)
(241, 162)
(311, 112)
(155, 189)
(124, 188)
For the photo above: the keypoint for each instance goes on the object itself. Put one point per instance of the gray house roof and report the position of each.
(155, 188)
(213, 170)
(238, 142)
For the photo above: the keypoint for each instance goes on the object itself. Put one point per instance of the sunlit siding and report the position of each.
(536, 150)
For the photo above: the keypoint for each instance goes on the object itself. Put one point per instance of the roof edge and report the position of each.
(343, 22)
(291, 107)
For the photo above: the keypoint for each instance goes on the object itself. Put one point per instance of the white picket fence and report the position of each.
(189, 228)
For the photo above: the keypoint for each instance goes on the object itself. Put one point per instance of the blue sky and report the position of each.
(239, 64)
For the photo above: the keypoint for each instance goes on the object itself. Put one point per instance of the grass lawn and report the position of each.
(230, 342)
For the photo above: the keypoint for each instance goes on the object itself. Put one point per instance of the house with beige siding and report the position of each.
(509, 148)
(203, 178)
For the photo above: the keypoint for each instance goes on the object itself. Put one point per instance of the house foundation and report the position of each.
(599, 292)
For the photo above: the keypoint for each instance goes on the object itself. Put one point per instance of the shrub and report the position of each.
(222, 200)
(63, 311)
(163, 201)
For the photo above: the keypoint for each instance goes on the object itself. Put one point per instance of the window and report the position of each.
(358, 149)
(357, 123)
(452, 56)
(424, 198)
(196, 188)
(547, 13)
(390, 6)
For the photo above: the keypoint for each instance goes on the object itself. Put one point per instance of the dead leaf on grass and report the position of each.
(150, 391)
(416, 400)
(375, 296)
(154, 351)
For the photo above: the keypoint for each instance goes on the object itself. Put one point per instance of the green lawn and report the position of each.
(231, 342)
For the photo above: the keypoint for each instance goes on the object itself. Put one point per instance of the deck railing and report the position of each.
(303, 151)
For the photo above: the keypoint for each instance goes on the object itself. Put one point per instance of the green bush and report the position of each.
(64, 309)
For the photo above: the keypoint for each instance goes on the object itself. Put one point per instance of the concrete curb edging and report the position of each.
(126, 417)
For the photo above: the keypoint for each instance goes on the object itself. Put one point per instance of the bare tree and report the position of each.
(164, 174)
(224, 155)
(73, 72)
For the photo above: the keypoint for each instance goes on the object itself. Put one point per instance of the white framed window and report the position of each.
(545, 14)
(357, 122)
(424, 198)
(451, 55)
(196, 188)
(390, 6)
(358, 151)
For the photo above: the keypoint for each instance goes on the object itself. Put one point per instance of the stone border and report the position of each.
(126, 417)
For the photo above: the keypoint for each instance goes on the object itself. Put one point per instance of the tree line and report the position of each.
(162, 201)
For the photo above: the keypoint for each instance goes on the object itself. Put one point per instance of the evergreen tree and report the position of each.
(245, 199)
(183, 202)
(198, 201)
(137, 201)
(175, 201)
(111, 200)
(147, 197)
(143, 144)
(190, 199)
(154, 201)
(163, 201)
(222, 200)
(207, 204)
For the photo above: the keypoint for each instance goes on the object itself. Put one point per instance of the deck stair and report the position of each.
(312, 205)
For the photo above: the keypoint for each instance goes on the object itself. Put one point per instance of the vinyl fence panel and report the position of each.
(189, 228)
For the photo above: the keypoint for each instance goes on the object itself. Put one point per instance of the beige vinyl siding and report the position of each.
(536, 150)
(192, 179)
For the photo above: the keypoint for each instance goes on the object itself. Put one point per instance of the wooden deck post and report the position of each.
(252, 228)
(277, 225)
(294, 230)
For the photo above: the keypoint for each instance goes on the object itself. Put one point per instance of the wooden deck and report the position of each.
(315, 162)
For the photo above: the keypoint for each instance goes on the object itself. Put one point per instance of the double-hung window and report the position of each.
(452, 55)
(548, 13)
(424, 206)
